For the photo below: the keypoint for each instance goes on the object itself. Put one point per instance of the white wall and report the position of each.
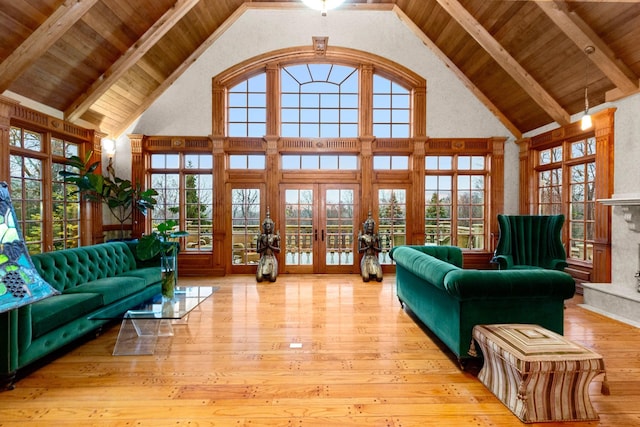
(625, 254)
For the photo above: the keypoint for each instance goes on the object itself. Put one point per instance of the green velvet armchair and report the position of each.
(530, 241)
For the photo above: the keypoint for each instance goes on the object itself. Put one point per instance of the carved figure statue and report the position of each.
(369, 243)
(267, 246)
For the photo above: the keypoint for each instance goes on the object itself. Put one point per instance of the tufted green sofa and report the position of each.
(106, 278)
(450, 300)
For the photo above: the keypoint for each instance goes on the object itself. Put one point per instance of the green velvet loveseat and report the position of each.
(106, 278)
(450, 300)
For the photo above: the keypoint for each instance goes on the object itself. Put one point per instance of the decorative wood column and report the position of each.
(415, 231)
(92, 220)
(365, 125)
(526, 203)
(365, 82)
(6, 108)
(497, 188)
(420, 112)
(604, 126)
(220, 206)
(272, 174)
(138, 168)
(366, 178)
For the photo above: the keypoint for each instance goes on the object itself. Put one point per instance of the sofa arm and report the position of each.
(558, 264)
(427, 267)
(505, 262)
(449, 254)
(482, 284)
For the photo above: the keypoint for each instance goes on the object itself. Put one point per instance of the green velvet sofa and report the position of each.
(450, 300)
(106, 278)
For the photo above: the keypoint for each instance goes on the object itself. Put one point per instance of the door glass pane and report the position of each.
(298, 240)
(392, 214)
(245, 225)
(339, 226)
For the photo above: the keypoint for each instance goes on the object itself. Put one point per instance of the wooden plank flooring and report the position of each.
(363, 362)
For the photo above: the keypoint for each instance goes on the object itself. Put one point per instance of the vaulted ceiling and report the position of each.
(103, 62)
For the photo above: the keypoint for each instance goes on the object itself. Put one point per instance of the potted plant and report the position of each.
(161, 242)
(121, 196)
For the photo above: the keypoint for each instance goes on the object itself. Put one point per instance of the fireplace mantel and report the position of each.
(630, 205)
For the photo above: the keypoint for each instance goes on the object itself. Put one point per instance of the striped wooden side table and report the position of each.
(538, 374)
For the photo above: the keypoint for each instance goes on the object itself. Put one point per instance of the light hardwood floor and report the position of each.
(363, 362)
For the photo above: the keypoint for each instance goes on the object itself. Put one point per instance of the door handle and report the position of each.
(323, 235)
(315, 234)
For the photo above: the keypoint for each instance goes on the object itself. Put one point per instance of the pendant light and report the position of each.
(585, 122)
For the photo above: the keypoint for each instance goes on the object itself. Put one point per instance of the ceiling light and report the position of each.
(585, 122)
(323, 5)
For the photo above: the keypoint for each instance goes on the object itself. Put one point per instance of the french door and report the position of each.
(320, 228)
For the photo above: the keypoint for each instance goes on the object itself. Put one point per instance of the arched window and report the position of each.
(319, 101)
(247, 108)
(391, 109)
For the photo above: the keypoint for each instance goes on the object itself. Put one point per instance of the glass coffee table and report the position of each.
(142, 325)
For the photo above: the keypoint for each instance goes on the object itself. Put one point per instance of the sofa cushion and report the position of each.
(150, 275)
(111, 289)
(51, 313)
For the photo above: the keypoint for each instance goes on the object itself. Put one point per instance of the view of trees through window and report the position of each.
(458, 221)
(34, 173)
(575, 160)
(184, 183)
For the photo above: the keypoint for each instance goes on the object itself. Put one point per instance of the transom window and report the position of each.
(319, 162)
(247, 161)
(391, 162)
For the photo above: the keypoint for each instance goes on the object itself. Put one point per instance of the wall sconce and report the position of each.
(323, 5)
(109, 147)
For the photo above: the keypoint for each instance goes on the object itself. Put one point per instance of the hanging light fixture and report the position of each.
(585, 122)
(323, 5)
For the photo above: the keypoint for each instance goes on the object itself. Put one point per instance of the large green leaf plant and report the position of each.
(120, 196)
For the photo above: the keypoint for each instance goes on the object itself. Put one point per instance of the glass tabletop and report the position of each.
(185, 300)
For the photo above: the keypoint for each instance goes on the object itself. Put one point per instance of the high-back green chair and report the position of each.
(530, 241)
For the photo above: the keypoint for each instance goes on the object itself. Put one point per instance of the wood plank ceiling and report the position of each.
(105, 61)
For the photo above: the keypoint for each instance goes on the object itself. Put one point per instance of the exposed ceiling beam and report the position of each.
(582, 35)
(180, 70)
(506, 61)
(129, 59)
(42, 39)
(454, 68)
